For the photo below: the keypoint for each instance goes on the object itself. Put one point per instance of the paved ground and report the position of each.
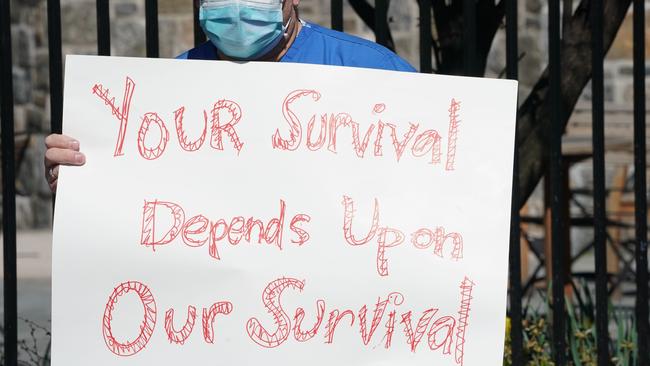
(34, 287)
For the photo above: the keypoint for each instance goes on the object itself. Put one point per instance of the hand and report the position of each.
(61, 150)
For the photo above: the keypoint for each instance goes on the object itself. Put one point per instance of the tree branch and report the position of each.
(367, 13)
(534, 115)
(449, 25)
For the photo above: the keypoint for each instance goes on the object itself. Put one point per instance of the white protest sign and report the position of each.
(281, 214)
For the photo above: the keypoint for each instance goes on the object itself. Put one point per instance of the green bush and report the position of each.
(581, 333)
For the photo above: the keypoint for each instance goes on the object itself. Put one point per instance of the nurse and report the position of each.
(254, 30)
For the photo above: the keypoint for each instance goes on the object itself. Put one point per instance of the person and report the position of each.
(254, 30)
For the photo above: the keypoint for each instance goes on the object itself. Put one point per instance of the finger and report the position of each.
(52, 174)
(52, 178)
(62, 142)
(53, 186)
(56, 156)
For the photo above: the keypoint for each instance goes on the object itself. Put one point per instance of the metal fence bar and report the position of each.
(56, 64)
(556, 189)
(600, 215)
(516, 294)
(425, 36)
(103, 28)
(8, 190)
(337, 15)
(469, 37)
(199, 36)
(381, 22)
(640, 193)
(151, 19)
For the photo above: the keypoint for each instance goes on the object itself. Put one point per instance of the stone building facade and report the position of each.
(31, 68)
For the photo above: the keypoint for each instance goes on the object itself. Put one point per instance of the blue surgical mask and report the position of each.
(243, 29)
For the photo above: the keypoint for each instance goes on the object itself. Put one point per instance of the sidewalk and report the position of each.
(34, 255)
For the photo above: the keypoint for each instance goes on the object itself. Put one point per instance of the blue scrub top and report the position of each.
(318, 45)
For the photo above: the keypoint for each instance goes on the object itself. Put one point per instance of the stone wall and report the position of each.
(32, 109)
(31, 68)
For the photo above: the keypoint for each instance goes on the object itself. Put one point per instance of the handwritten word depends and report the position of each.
(442, 332)
(198, 230)
(225, 114)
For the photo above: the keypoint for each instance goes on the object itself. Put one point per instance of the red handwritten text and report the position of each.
(441, 332)
(198, 230)
(225, 115)
(388, 237)
(150, 319)
(421, 142)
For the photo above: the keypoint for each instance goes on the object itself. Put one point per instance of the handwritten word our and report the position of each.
(388, 237)
(129, 348)
(224, 115)
(442, 331)
(198, 230)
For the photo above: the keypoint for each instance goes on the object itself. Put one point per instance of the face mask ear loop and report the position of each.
(285, 28)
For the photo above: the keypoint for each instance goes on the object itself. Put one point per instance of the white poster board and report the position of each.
(281, 214)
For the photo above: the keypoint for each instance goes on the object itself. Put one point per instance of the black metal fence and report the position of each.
(470, 34)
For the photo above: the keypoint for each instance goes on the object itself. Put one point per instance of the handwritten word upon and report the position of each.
(422, 143)
(224, 115)
(443, 332)
(388, 237)
(198, 230)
